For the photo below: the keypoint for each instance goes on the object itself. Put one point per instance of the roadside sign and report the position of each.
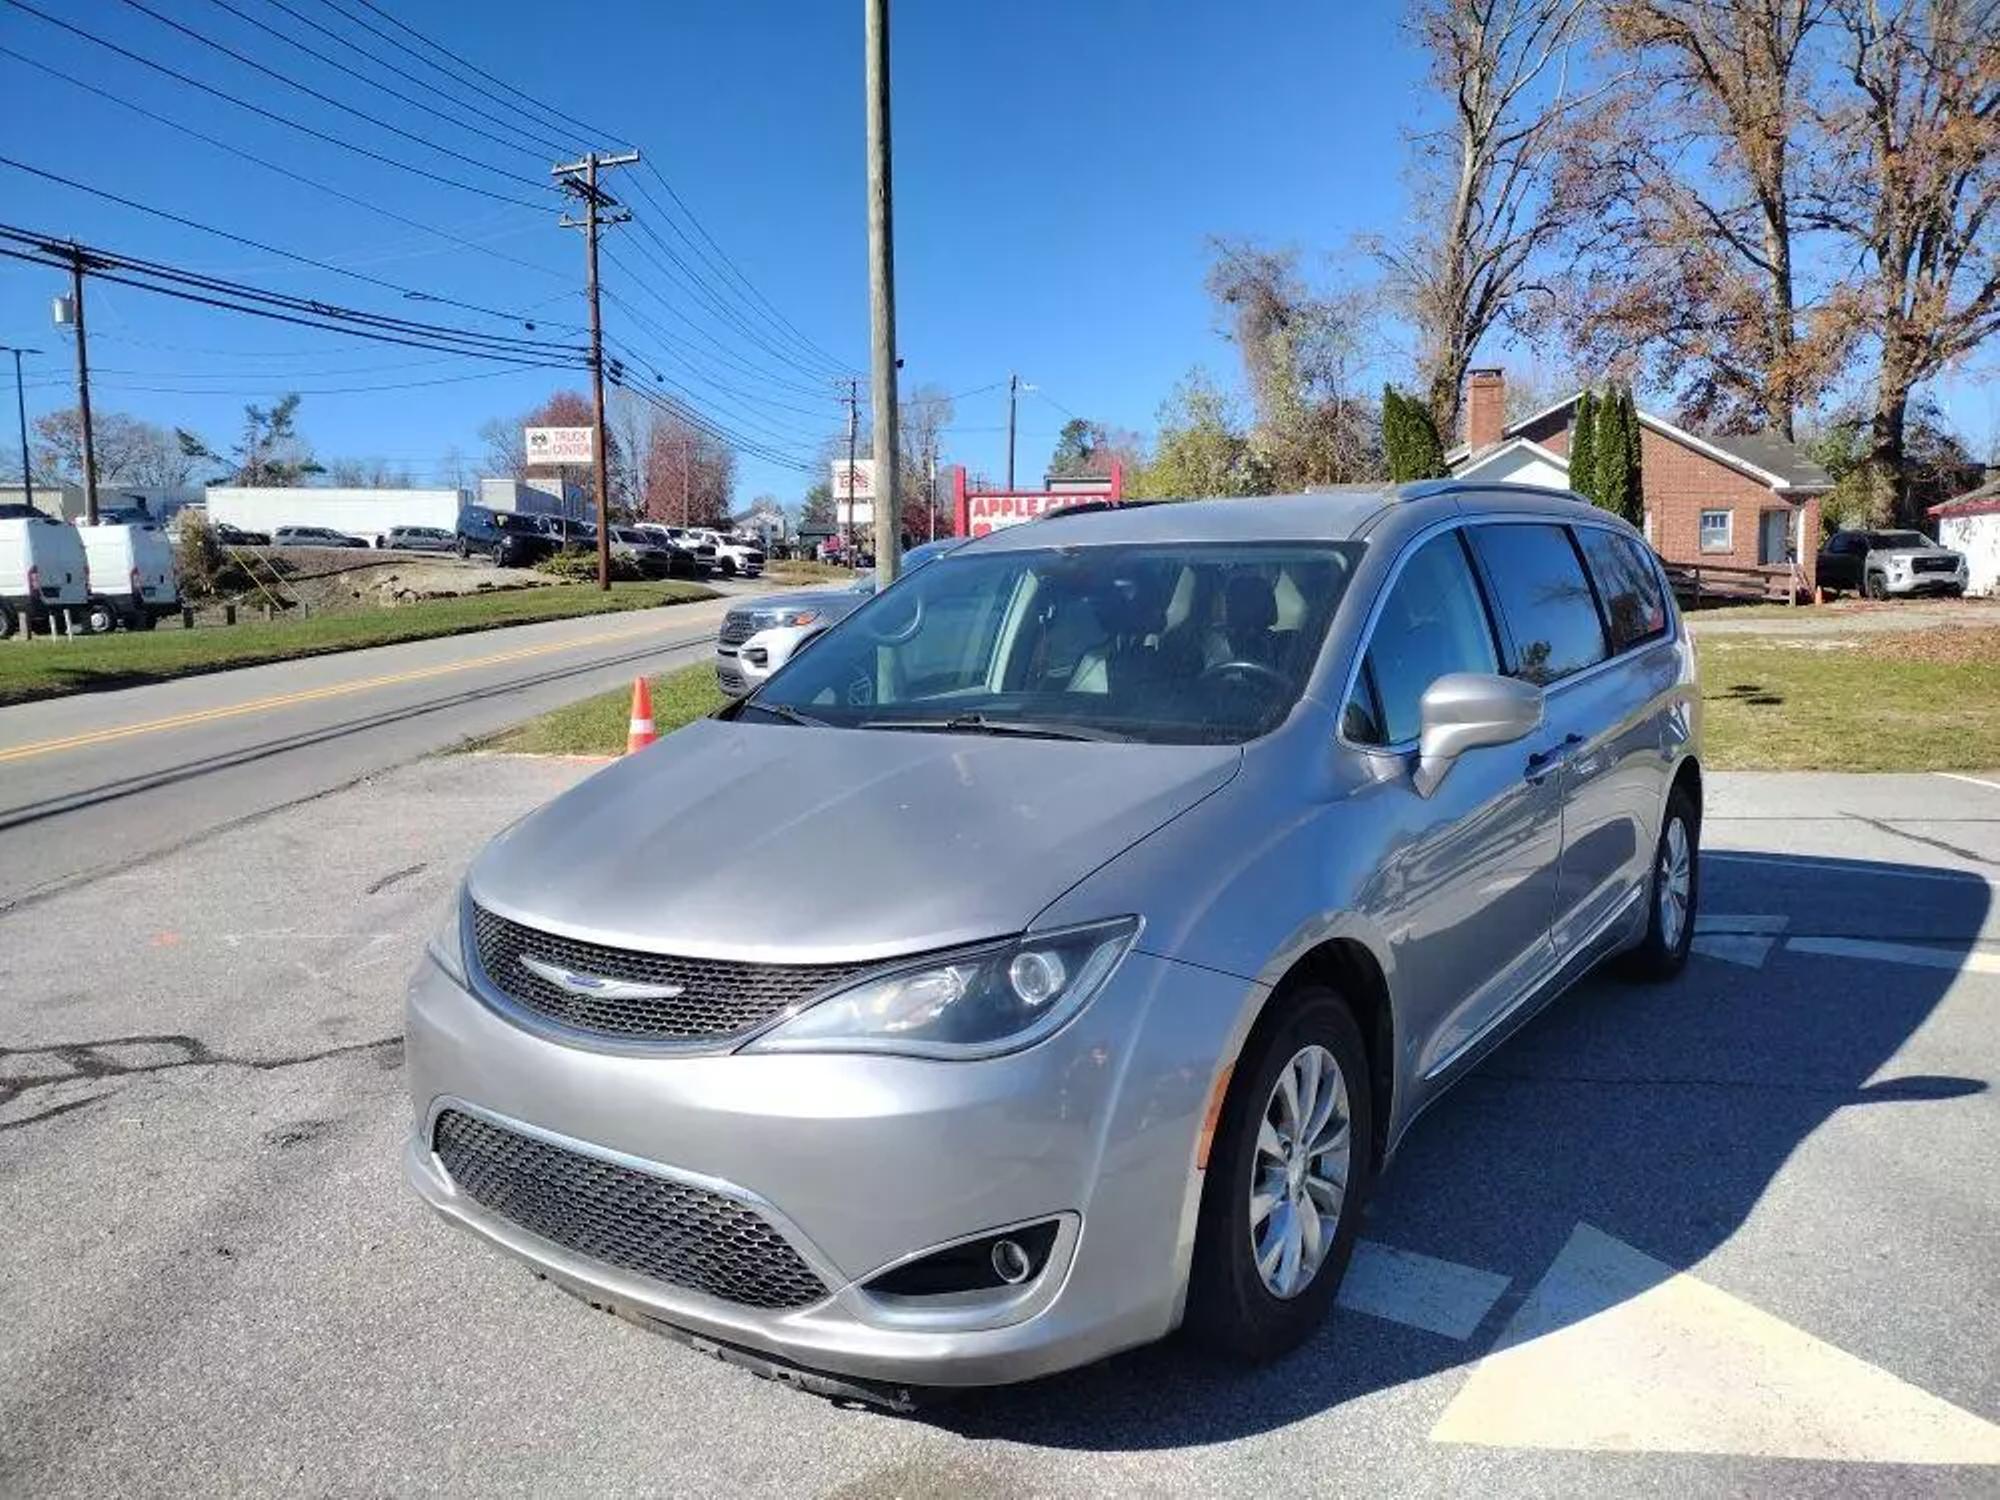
(558, 445)
(855, 481)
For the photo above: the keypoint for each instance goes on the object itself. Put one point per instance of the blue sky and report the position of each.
(1058, 169)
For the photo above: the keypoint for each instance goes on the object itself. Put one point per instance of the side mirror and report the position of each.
(1464, 710)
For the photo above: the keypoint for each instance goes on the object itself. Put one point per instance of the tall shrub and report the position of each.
(1583, 447)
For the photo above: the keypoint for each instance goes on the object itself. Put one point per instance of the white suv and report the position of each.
(733, 554)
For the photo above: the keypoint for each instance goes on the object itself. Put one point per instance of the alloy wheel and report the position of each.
(1675, 883)
(1298, 1181)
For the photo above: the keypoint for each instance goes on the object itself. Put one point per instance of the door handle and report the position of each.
(1542, 762)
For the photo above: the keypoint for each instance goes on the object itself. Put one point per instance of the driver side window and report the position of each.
(1434, 622)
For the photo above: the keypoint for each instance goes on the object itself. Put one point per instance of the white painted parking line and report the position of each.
(1439, 1296)
(1617, 1352)
(1730, 922)
(1968, 961)
(1991, 786)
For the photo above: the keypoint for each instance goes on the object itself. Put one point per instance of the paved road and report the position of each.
(101, 780)
(1729, 1235)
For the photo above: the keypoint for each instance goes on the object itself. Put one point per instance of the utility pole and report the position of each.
(73, 313)
(853, 424)
(687, 467)
(881, 289)
(21, 408)
(1013, 389)
(579, 178)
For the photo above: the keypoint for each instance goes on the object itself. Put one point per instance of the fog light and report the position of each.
(1010, 1262)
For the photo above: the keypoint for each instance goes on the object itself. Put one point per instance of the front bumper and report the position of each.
(1926, 583)
(743, 668)
(861, 1162)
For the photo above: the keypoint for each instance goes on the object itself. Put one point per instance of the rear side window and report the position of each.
(1627, 584)
(1433, 623)
(1545, 598)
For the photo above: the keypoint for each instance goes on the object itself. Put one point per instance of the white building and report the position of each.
(65, 501)
(1971, 524)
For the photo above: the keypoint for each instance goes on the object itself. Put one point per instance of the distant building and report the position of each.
(117, 501)
(364, 513)
(1748, 503)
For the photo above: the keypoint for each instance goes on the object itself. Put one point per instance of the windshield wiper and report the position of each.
(978, 723)
(784, 712)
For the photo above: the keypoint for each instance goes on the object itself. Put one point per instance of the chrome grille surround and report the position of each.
(647, 1223)
(718, 1000)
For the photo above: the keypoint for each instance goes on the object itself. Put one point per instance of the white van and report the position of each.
(132, 580)
(42, 571)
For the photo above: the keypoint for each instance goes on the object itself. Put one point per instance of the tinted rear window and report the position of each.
(1627, 584)
(1545, 598)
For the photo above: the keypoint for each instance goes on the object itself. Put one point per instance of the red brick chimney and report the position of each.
(1485, 407)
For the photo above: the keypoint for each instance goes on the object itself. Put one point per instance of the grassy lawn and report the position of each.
(48, 668)
(597, 725)
(818, 573)
(1916, 701)
(1913, 701)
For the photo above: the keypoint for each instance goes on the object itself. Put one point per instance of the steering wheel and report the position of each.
(1252, 671)
(895, 634)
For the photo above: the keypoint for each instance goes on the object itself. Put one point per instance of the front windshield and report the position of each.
(1182, 643)
(1899, 539)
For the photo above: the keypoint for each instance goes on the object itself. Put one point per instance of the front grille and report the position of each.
(650, 1225)
(1934, 565)
(719, 998)
(736, 629)
(754, 559)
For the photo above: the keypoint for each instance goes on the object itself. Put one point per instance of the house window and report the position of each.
(1718, 531)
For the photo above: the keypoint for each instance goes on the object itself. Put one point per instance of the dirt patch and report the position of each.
(383, 583)
(1952, 647)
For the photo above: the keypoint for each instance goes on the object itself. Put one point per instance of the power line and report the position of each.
(289, 388)
(708, 426)
(279, 168)
(44, 251)
(558, 147)
(273, 115)
(641, 359)
(537, 145)
(398, 94)
(722, 351)
(268, 249)
(313, 93)
(569, 121)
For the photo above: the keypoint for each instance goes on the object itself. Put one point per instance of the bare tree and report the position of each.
(1687, 192)
(1303, 354)
(1912, 183)
(128, 451)
(1482, 206)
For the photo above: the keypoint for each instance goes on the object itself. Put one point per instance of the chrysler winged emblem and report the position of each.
(597, 986)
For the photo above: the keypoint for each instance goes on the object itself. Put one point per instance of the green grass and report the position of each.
(1912, 701)
(597, 726)
(803, 572)
(1921, 701)
(49, 668)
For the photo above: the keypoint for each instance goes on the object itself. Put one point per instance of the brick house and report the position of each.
(1746, 505)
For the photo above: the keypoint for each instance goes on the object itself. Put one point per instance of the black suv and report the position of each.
(510, 539)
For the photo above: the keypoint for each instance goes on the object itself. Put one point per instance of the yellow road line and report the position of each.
(310, 695)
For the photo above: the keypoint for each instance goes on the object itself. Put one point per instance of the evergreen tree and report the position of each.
(1411, 448)
(1614, 468)
(1426, 448)
(1583, 447)
(1395, 445)
(1636, 489)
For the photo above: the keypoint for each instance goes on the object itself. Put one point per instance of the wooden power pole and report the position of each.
(881, 290)
(579, 178)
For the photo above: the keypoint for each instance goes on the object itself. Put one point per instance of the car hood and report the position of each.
(834, 603)
(1896, 554)
(783, 843)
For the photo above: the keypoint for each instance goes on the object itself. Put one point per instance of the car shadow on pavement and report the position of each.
(1658, 1114)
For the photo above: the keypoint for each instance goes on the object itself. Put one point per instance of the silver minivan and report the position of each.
(1149, 872)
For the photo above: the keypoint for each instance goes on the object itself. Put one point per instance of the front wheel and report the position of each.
(1876, 586)
(9, 621)
(99, 618)
(1289, 1170)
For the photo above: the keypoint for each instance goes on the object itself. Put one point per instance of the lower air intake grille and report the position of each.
(652, 1226)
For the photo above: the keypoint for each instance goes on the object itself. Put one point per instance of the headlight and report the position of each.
(447, 944)
(795, 617)
(978, 1002)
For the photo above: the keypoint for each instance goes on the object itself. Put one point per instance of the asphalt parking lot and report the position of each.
(1736, 1233)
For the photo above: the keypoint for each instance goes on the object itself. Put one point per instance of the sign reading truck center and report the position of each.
(557, 445)
(981, 511)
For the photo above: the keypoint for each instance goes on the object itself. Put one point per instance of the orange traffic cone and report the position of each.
(640, 735)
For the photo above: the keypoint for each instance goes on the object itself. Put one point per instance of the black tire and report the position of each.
(99, 618)
(729, 567)
(9, 622)
(464, 549)
(1875, 586)
(1658, 955)
(145, 619)
(1230, 1309)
